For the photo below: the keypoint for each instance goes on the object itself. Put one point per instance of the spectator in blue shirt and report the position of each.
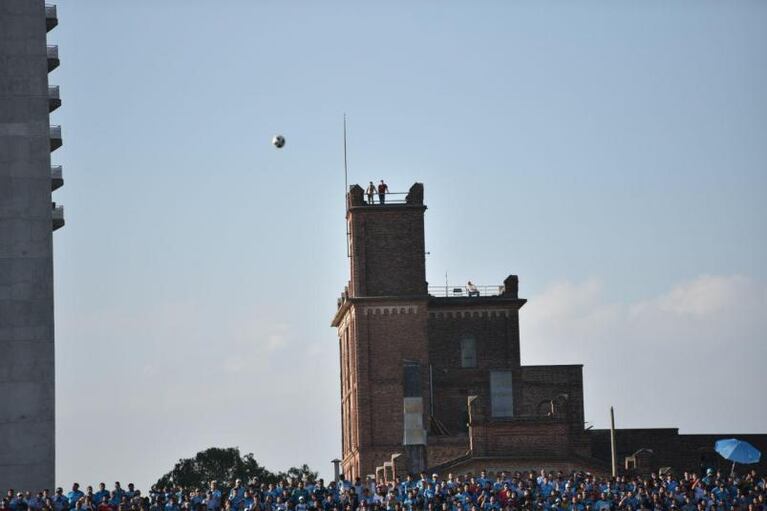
(74, 495)
(60, 502)
(213, 500)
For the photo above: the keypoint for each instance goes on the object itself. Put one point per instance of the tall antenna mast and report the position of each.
(346, 168)
(346, 191)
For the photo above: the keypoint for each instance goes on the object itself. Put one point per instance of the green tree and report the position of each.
(299, 473)
(226, 465)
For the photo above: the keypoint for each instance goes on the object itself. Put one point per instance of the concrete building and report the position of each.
(431, 377)
(27, 218)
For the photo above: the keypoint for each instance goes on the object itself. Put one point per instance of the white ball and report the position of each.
(278, 141)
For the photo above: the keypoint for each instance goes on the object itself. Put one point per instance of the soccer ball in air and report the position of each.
(278, 141)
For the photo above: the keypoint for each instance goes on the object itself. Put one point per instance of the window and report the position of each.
(468, 351)
(501, 399)
(412, 379)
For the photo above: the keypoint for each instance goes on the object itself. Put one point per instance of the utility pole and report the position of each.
(612, 442)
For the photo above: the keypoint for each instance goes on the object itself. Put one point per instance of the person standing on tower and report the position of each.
(371, 190)
(382, 191)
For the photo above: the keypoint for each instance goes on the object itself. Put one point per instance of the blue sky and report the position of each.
(613, 155)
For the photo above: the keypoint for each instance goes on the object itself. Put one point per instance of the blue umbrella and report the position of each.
(737, 451)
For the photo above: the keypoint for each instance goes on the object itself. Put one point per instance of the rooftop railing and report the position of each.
(54, 100)
(389, 198)
(53, 57)
(55, 136)
(51, 18)
(463, 291)
(57, 177)
(57, 217)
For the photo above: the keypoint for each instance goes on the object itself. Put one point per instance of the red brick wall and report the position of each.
(495, 466)
(385, 333)
(670, 449)
(443, 449)
(520, 438)
(496, 334)
(388, 255)
(544, 383)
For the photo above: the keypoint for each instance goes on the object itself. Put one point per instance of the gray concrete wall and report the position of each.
(27, 406)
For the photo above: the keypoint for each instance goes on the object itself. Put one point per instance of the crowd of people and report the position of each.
(525, 491)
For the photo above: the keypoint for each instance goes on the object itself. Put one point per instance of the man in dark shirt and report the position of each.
(382, 191)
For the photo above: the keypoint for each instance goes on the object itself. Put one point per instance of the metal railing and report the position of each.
(55, 132)
(463, 291)
(53, 92)
(50, 11)
(57, 172)
(57, 211)
(389, 198)
(53, 51)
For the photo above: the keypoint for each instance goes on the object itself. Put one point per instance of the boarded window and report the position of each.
(468, 352)
(501, 398)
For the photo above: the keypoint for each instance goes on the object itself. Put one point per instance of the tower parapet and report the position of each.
(386, 244)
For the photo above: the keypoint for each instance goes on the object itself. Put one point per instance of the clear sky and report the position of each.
(612, 154)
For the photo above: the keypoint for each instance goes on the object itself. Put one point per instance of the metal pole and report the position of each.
(612, 442)
(346, 168)
(431, 391)
(336, 471)
(346, 191)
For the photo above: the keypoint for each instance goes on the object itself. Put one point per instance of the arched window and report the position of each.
(468, 351)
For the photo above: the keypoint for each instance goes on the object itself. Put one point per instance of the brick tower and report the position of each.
(442, 362)
(382, 328)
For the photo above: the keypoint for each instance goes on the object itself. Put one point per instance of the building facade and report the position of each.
(27, 218)
(431, 377)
